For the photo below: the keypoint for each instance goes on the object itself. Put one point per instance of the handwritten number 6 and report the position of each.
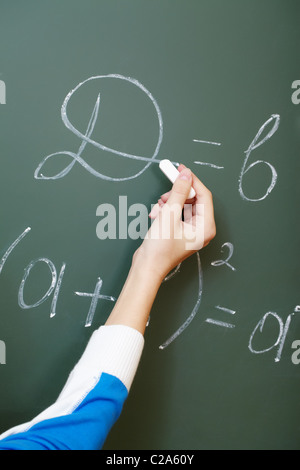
(254, 145)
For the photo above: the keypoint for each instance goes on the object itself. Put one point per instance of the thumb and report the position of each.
(181, 188)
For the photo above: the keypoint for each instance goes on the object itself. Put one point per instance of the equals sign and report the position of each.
(222, 323)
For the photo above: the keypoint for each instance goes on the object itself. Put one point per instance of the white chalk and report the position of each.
(172, 174)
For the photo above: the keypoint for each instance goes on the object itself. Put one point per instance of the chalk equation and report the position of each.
(52, 293)
(86, 138)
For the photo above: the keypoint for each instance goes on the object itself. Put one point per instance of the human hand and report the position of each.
(180, 227)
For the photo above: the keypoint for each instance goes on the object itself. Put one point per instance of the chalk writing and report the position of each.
(195, 309)
(95, 297)
(173, 273)
(275, 119)
(86, 137)
(283, 330)
(219, 322)
(207, 142)
(55, 286)
(225, 262)
(53, 272)
(12, 247)
(57, 291)
(254, 145)
(212, 165)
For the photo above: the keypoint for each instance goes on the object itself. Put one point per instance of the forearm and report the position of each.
(136, 299)
(94, 394)
(91, 400)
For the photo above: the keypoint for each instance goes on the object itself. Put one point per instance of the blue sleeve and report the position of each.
(92, 399)
(86, 428)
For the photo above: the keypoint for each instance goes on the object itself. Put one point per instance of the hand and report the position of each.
(168, 242)
(180, 228)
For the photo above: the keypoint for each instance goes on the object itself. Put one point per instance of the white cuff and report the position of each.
(114, 350)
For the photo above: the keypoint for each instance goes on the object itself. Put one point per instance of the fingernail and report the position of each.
(186, 175)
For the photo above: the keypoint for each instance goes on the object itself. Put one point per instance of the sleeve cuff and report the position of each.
(114, 350)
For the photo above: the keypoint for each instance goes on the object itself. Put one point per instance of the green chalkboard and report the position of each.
(93, 94)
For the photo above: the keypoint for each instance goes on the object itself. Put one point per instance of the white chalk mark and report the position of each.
(211, 165)
(12, 247)
(103, 297)
(227, 310)
(222, 262)
(206, 142)
(95, 298)
(297, 308)
(53, 272)
(86, 138)
(283, 337)
(172, 273)
(219, 323)
(94, 303)
(260, 327)
(76, 157)
(195, 309)
(57, 291)
(283, 330)
(254, 145)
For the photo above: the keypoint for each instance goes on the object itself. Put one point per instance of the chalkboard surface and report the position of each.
(93, 94)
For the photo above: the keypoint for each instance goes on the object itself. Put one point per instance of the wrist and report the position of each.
(145, 268)
(136, 299)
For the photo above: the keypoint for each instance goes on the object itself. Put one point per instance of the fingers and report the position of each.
(201, 205)
(199, 187)
(156, 209)
(181, 188)
(165, 197)
(178, 195)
